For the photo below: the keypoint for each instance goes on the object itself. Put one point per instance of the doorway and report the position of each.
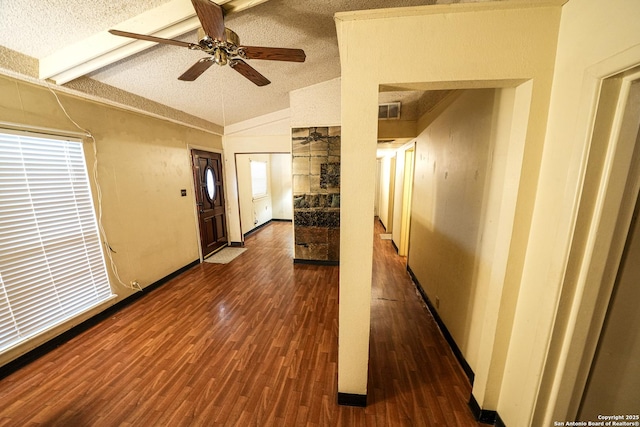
(600, 261)
(407, 194)
(267, 196)
(209, 192)
(615, 373)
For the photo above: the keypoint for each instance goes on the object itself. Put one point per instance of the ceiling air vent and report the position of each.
(389, 111)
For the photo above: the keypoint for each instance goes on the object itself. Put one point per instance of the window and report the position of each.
(51, 263)
(210, 183)
(259, 180)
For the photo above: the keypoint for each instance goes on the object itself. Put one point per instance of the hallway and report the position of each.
(253, 342)
(412, 370)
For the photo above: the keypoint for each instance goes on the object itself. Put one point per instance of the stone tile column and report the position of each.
(316, 193)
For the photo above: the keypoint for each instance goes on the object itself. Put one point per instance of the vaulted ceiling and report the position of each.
(66, 41)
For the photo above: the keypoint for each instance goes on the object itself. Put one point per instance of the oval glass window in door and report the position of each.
(210, 183)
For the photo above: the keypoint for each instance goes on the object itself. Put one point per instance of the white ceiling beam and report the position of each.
(232, 6)
(104, 48)
(69, 72)
(169, 20)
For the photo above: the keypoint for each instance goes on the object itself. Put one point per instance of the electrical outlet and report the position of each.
(135, 284)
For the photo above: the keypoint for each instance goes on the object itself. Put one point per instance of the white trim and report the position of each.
(103, 48)
(601, 250)
(49, 132)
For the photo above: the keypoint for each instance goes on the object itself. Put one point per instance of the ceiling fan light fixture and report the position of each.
(231, 38)
(220, 57)
(206, 43)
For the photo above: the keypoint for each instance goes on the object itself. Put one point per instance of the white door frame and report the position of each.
(611, 185)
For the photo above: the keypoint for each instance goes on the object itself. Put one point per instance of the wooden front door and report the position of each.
(207, 175)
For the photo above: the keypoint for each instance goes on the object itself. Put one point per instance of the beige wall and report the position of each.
(452, 161)
(468, 165)
(144, 162)
(597, 40)
(545, 286)
(461, 46)
(394, 129)
(317, 105)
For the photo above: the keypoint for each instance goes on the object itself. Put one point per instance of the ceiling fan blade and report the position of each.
(274, 53)
(196, 70)
(150, 38)
(211, 17)
(249, 72)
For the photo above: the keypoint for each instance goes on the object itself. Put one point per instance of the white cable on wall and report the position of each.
(134, 285)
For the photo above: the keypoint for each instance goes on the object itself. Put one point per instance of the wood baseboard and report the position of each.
(484, 416)
(315, 262)
(447, 335)
(349, 399)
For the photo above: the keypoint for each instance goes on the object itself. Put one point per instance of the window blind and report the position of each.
(259, 180)
(51, 263)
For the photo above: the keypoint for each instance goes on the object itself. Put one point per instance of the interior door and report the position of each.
(614, 379)
(209, 189)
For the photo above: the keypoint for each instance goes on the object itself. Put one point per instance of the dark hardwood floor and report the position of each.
(250, 343)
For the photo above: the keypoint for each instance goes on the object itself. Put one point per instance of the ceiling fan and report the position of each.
(223, 45)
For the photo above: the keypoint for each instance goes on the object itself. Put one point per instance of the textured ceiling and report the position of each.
(220, 95)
